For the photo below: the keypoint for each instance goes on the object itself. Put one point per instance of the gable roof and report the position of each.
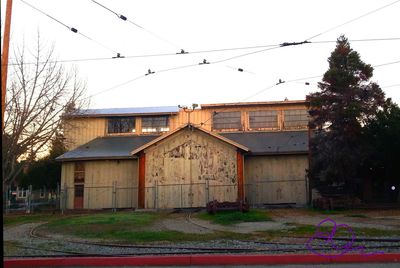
(222, 138)
(107, 148)
(272, 143)
(126, 111)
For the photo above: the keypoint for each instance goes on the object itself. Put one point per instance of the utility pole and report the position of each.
(4, 59)
(189, 110)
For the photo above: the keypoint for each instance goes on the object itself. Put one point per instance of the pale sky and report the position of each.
(200, 25)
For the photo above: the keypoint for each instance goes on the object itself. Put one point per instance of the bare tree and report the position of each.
(39, 93)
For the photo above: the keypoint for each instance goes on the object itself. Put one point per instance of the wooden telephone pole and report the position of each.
(4, 58)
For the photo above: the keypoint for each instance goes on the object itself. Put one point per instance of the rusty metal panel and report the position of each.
(193, 159)
(276, 179)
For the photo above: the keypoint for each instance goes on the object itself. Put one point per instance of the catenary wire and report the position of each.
(193, 65)
(124, 18)
(72, 29)
(352, 20)
(203, 51)
(290, 81)
(395, 85)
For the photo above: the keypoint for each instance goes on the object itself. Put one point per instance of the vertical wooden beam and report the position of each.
(240, 176)
(142, 182)
(4, 58)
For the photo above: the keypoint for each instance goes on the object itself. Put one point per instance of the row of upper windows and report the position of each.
(127, 124)
(260, 119)
(220, 121)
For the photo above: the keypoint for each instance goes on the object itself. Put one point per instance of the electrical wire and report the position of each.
(72, 29)
(291, 81)
(352, 20)
(388, 63)
(115, 86)
(395, 85)
(124, 18)
(201, 51)
(193, 65)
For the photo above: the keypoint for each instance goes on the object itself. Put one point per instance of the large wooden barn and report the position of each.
(171, 157)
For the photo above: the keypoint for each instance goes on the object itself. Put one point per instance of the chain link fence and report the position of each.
(159, 196)
(29, 200)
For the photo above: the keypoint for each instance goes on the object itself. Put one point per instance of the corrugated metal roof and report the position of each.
(127, 111)
(282, 142)
(106, 148)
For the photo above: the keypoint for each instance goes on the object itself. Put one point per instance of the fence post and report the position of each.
(207, 191)
(114, 195)
(64, 198)
(156, 195)
(8, 199)
(181, 197)
(28, 200)
(57, 199)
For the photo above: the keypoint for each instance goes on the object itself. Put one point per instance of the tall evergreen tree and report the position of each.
(383, 146)
(347, 100)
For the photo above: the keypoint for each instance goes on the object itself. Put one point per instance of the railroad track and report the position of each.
(253, 247)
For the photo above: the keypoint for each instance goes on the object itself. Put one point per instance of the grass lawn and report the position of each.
(308, 230)
(234, 217)
(126, 227)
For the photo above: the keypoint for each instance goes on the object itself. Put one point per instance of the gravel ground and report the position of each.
(19, 242)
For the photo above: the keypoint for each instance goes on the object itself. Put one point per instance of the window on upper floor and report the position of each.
(295, 118)
(79, 172)
(227, 121)
(263, 119)
(121, 125)
(155, 124)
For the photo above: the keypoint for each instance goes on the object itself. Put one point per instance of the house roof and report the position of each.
(231, 142)
(107, 148)
(267, 143)
(126, 111)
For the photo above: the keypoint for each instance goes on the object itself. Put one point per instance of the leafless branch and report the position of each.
(37, 98)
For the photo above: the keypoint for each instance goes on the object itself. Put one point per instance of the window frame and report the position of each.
(227, 126)
(155, 124)
(118, 126)
(297, 123)
(267, 123)
(79, 173)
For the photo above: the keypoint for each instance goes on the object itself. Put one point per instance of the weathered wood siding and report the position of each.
(79, 131)
(189, 168)
(204, 116)
(276, 179)
(99, 178)
(67, 183)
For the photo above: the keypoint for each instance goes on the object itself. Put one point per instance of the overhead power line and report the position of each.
(349, 21)
(124, 18)
(209, 51)
(193, 65)
(290, 81)
(72, 29)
